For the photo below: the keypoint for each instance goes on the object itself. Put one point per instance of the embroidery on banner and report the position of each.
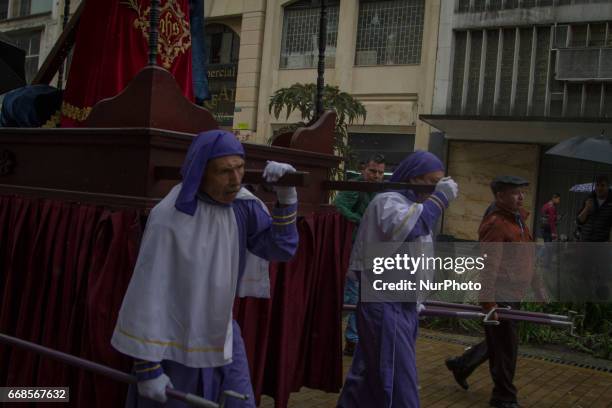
(174, 33)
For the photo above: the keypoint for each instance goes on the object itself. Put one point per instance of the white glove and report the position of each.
(155, 389)
(448, 187)
(419, 307)
(273, 172)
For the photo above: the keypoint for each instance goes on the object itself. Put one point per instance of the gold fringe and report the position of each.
(54, 120)
(74, 113)
(172, 344)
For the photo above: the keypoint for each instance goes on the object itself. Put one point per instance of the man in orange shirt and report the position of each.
(509, 272)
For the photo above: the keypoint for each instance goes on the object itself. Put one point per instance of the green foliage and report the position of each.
(302, 98)
(593, 330)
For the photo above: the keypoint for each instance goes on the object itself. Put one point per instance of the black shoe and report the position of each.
(504, 404)
(458, 372)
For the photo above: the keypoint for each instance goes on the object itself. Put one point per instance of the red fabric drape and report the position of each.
(112, 47)
(294, 339)
(64, 270)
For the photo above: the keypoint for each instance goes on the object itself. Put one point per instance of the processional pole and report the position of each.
(153, 32)
(116, 375)
(60, 75)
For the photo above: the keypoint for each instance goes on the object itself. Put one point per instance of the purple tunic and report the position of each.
(270, 237)
(383, 372)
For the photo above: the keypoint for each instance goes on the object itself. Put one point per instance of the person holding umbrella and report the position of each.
(595, 216)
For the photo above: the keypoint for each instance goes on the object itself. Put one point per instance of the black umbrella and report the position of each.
(12, 65)
(593, 148)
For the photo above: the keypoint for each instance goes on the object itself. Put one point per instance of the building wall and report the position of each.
(497, 78)
(393, 95)
(473, 165)
(48, 23)
(513, 61)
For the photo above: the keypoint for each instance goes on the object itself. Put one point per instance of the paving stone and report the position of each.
(540, 384)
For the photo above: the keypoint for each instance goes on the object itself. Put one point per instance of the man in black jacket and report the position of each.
(595, 217)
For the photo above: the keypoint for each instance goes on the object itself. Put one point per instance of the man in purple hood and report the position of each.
(383, 373)
(206, 241)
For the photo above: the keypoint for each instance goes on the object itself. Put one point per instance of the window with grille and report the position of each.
(390, 32)
(300, 42)
(30, 42)
(479, 6)
(394, 146)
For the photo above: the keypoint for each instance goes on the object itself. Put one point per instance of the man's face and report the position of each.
(222, 178)
(373, 172)
(511, 198)
(556, 200)
(426, 179)
(601, 189)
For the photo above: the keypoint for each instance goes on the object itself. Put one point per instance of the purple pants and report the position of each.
(205, 382)
(383, 373)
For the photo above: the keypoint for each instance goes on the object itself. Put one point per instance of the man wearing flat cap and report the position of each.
(509, 271)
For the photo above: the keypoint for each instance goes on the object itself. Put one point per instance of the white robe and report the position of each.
(178, 305)
(389, 219)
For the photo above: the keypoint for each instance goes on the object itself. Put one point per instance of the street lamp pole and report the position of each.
(321, 66)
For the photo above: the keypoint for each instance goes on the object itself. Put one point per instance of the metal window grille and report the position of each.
(390, 32)
(478, 6)
(535, 79)
(300, 42)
